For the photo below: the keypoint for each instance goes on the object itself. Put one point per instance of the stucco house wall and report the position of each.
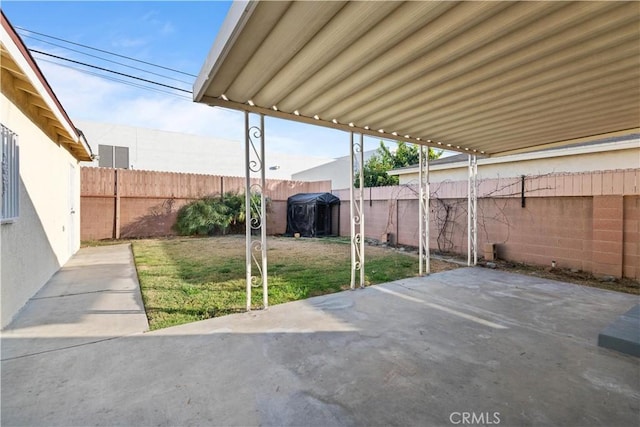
(613, 155)
(46, 231)
(45, 235)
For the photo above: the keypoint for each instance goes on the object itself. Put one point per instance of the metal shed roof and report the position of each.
(476, 77)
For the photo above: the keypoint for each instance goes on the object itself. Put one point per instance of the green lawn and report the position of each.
(189, 279)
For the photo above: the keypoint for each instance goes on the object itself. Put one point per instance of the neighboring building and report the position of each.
(41, 150)
(337, 171)
(129, 147)
(608, 154)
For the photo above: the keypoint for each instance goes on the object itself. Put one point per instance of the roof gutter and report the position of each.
(85, 144)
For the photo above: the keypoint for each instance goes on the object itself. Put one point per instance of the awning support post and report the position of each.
(255, 216)
(423, 210)
(472, 212)
(356, 204)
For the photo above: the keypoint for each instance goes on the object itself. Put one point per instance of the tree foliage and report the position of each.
(215, 214)
(376, 168)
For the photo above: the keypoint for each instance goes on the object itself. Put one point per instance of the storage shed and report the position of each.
(312, 214)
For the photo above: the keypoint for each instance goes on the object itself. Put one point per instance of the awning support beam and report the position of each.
(255, 216)
(423, 210)
(472, 212)
(356, 203)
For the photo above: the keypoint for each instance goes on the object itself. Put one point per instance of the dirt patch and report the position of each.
(308, 249)
(578, 277)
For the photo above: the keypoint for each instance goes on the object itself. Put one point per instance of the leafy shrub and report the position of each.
(215, 215)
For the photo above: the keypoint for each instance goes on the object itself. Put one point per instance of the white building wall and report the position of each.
(44, 236)
(157, 150)
(337, 171)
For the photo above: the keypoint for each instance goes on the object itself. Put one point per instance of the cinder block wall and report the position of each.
(573, 219)
(608, 228)
(97, 217)
(631, 237)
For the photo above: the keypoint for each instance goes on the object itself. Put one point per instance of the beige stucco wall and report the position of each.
(614, 156)
(44, 236)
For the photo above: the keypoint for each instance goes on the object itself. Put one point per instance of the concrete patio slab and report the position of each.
(470, 344)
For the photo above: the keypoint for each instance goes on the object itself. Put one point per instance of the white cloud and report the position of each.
(129, 42)
(175, 115)
(88, 97)
(151, 17)
(167, 28)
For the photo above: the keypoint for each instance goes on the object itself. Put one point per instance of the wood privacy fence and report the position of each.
(120, 203)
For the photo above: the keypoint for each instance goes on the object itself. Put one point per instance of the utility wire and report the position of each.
(110, 71)
(106, 51)
(117, 80)
(109, 60)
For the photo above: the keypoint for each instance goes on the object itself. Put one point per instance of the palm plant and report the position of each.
(217, 214)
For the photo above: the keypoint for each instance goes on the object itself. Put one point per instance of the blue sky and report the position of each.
(173, 34)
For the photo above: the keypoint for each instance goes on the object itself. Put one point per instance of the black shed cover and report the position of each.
(310, 214)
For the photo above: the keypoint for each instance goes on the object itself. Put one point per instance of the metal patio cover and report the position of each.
(486, 78)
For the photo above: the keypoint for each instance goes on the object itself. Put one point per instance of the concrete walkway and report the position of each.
(93, 297)
(470, 344)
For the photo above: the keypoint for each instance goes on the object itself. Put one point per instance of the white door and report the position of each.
(71, 226)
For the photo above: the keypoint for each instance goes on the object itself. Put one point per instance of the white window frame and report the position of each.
(10, 169)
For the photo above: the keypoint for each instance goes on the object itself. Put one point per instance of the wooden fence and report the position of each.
(119, 203)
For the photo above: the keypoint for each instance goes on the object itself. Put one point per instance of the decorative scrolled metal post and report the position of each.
(356, 205)
(472, 212)
(423, 210)
(247, 208)
(255, 216)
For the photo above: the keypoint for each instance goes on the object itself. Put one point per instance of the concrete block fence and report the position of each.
(584, 221)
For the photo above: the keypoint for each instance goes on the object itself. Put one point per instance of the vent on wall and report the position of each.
(113, 157)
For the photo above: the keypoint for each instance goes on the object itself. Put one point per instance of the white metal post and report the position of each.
(356, 204)
(247, 206)
(472, 212)
(255, 220)
(361, 204)
(423, 211)
(263, 217)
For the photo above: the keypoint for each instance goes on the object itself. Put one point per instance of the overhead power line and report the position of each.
(110, 71)
(106, 51)
(117, 80)
(108, 60)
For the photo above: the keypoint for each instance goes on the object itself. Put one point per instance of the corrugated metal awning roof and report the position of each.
(477, 77)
